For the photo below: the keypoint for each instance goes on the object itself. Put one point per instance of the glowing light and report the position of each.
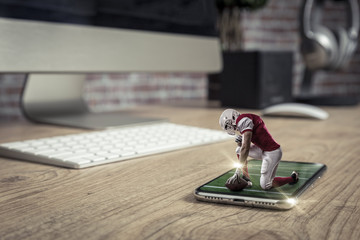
(237, 165)
(291, 201)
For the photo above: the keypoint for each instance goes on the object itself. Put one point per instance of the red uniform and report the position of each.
(264, 148)
(261, 136)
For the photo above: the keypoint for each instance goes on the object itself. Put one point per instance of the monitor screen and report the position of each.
(57, 41)
(177, 16)
(108, 36)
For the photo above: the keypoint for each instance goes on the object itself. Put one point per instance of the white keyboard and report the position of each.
(112, 145)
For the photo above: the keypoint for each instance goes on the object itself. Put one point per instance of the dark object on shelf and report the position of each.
(254, 79)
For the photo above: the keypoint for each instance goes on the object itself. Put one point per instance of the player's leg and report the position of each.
(268, 170)
(279, 181)
(270, 162)
(255, 152)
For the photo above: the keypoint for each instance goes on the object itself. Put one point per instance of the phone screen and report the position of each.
(308, 172)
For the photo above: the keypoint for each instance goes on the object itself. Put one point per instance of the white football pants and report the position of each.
(270, 162)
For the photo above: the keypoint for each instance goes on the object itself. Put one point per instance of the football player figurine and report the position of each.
(256, 142)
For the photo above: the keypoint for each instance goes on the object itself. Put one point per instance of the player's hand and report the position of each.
(247, 180)
(235, 178)
(238, 140)
(246, 175)
(236, 182)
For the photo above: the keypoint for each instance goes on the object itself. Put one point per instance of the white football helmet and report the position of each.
(227, 120)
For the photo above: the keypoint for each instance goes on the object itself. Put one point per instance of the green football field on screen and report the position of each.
(285, 168)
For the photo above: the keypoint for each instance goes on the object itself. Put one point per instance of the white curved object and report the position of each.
(298, 109)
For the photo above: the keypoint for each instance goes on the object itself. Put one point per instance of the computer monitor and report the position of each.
(58, 42)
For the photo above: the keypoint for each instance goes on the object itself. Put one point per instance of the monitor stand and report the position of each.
(57, 99)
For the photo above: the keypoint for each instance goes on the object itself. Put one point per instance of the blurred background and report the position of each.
(273, 26)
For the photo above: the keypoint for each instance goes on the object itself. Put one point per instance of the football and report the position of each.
(236, 183)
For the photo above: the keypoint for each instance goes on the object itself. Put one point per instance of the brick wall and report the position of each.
(274, 27)
(109, 92)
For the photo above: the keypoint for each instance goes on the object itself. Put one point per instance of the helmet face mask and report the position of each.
(229, 128)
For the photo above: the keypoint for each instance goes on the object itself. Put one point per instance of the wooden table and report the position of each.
(152, 197)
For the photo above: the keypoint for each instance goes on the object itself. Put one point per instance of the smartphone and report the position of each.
(284, 197)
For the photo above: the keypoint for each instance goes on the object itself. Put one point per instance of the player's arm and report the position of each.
(244, 153)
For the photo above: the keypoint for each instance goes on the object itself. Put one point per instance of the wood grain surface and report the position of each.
(152, 197)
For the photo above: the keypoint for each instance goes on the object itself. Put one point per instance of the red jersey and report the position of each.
(260, 135)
